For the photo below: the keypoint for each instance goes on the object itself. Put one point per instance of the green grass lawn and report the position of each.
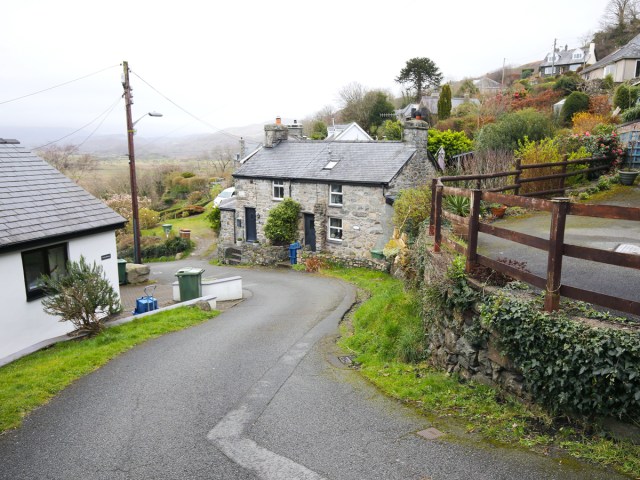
(198, 225)
(33, 380)
(386, 332)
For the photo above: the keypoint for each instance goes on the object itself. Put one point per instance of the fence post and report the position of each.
(516, 191)
(556, 247)
(432, 223)
(563, 170)
(474, 223)
(438, 219)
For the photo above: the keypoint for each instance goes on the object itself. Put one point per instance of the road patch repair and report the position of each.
(229, 435)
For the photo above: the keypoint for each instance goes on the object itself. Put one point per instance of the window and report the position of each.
(335, 228)
(637, 69)
(335, 195)
(278, 189)
(549, 70)
(50, 261)
(577, 55)
(610, 70)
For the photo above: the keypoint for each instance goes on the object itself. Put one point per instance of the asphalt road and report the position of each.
(257, 392)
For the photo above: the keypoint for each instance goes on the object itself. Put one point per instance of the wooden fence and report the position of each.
(555, 246)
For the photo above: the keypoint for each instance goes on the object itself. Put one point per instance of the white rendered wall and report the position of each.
(24, 324)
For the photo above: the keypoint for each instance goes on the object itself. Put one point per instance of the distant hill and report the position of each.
(187, 146)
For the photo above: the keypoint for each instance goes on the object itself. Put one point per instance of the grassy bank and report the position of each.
(33, 380)
(385, 333)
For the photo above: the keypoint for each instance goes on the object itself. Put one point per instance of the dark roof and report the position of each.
(630, 50)
(37, 202)
(357, 162)
(565, 57)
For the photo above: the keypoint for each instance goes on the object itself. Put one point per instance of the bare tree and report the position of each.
(68, 160)
(619, 13)
(222, 159)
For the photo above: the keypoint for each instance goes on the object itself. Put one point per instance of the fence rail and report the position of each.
(555, 246)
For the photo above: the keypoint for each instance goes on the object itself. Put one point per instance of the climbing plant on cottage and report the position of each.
(282, 223)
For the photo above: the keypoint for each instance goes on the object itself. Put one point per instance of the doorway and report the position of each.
(309, 231)
(250, 222)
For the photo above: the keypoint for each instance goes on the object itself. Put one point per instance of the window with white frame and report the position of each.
(577, 55)
(278, 189)
(335, 195)
(51, 261)
(335, 229)
(610, 70)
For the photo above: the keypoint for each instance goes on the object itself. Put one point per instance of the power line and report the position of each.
(115, 104)
(56, 86)
(106, 112)
(237, 137)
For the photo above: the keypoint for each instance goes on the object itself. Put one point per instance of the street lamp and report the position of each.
(132, 162)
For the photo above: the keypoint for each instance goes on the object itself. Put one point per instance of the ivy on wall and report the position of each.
(568, 365)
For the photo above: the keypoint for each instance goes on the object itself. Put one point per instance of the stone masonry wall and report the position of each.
(227, 227)
(361, 212)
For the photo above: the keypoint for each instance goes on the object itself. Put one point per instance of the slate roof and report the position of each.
(565, 57)
(630, 51)
(357, 162)
(39, 203)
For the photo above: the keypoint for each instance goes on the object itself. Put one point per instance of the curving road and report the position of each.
(257, 392)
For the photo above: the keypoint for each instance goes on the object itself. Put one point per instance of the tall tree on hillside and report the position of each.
(444, 103)
(619, 13)
(381, 109)
(420, 73)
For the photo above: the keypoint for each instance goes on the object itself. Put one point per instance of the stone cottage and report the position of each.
(345, 189)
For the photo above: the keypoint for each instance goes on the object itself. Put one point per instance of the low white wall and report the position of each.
(229, 288)
(23, 324)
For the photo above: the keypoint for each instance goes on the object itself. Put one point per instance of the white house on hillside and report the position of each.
(46, 220)
(351, 132)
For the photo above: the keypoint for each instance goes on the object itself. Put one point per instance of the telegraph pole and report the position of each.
(553, 57)
(132, 164)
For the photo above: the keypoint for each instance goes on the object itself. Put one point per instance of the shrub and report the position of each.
(282, 224)
(566, 364)
(452, 142)
(600, 105)
(80, 296)
(213, 217)
(586, 121)
(567, 84)
(411, 209)
(153, 247)
(532, 153)
(631, 114)
(459, 205)
(575, 102)
(148, 218)
(513, 128)
(391, 129)
(314, 264)
(444, 103)
(625, 96)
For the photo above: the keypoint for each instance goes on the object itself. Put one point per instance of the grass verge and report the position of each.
(33, 380)
(385, 333)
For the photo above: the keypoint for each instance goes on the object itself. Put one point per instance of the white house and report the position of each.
(351, 132)
(45, 220)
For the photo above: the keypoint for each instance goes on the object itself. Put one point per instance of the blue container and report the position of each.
(148, 303)
(293, 252)
(145, 304)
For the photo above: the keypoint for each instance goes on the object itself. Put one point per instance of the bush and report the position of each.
(568, 365)
(586, 121)
(631, 114)
(513, 128)
(532, 153)
(575, 102)
(148, 218)
(452, 142)
(567, 84)
(411, 209)
(625, 96)
(80, 296)
(213, 217)
(282, 224)
(155, 248)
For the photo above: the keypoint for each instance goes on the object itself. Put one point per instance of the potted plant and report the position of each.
(628, 177)
(239, 241)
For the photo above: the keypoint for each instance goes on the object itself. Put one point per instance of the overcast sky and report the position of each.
(234, 63)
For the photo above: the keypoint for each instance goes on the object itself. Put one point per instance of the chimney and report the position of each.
(295, 129)
(243, 148)
(274, 133)
(416, 133)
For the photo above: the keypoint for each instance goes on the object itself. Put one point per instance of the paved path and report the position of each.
(583, 231)
(257, 392)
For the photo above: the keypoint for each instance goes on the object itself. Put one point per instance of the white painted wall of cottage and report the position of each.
(24, 324)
